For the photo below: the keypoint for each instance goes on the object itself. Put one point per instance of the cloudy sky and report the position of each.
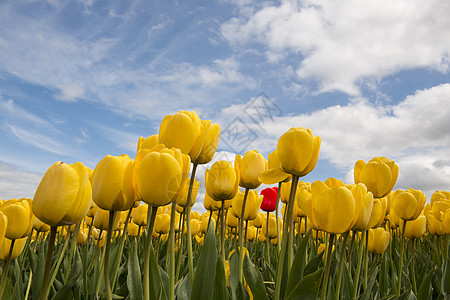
(80, 79)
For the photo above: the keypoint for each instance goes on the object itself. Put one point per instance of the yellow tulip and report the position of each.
(222, 180)
(210, 204)
(133, 229)
(252, 205)
(333, 208)
(257, 222)
(231, 220)
(298, 151)
(415, 229)
(204, 225)
(162, 224)
(5, 247)
(274, 174)
(363, 206)
(182, 199)
(20, 218)
(446, 221)
(377, 214)
(435, 227)
(379, 175)
(3, 225)
(82, 237)
(140, 215)
(101, 219)
(440, 196)
(409, 204)
(65, 189)
(250, 166)
(112, 184)
(438, 207)
(193, 136)
(195, 227)
(40, 226)
(251, 233)
(272, 227)
(160, 174)
(378, 240)
(147, 143)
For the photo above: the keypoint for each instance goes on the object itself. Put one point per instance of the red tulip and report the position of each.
(270, 199)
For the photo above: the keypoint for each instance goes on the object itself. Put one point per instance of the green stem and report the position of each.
(73, 246)
(222, 232)
(123, 237)
(341, 262)
(48, 263)
(413, 271)
(277, 218)
(327, 267)
(284, 243)
(151, 216)
(366, 253)
(188, 229)
(172, 252)
(358, 267)
(5, 270)
(399, 283)
(241, 236)
(290, 219)
(267, 239)
(112, 216)
(181, 243)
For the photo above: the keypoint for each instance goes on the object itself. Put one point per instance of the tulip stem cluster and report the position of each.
(5, 270)
(188, 224)
(151, 215)
(241, 236)
(112, 216)
(400, 267)
(327, 266)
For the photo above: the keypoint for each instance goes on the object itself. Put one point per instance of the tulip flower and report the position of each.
(409, 204)
(112, 187)
(160, 174)
(258, 221)
(251, 208)
(3, 225)
(40, 226)
(363, 207)
(298, 151)
(147, 143)
(67, 190)
(5, 248)
(182, 199)
(378, 240)
(272, 232)
(416, 229)
(250, 166)
(162, 224)
(333, 209)
(20, 218)
(140, 215)
(435, 227)
(193, 136)
(446, 221)
(379, 175)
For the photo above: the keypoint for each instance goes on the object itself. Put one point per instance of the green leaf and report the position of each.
(254, 279)
(368, 290)
(241, 292)
(347, 283)
(38, 272)
(202, 287)
(314, 264)
(298, 266)
(18, 278)
(220, 282)
(66, 292)
(308, 287)
(134, 282)
(445, 281)
(425, 290)
(384, 274)
(184, 289)
(156, 282)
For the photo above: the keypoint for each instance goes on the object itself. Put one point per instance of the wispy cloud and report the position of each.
(16, 183)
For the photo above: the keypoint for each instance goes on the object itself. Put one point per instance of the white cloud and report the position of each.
(413, 132)
(70, 92)
(343, 44)
(15, 183)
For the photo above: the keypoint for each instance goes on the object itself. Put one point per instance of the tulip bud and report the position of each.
(5, 247)
(162, 224)
(67, 190)
(378, 240)
(20, 218)
(272, 227)
(140, 215)
(409, 204)
(415, 229)
(298, 151)
(379, 175)
(182, 199)
(250, 166)
(222, 180)
(252, 205)
(269, 202)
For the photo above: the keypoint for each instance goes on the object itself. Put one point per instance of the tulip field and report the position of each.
(127, 230)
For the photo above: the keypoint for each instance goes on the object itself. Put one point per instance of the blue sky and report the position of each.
(82, 79)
